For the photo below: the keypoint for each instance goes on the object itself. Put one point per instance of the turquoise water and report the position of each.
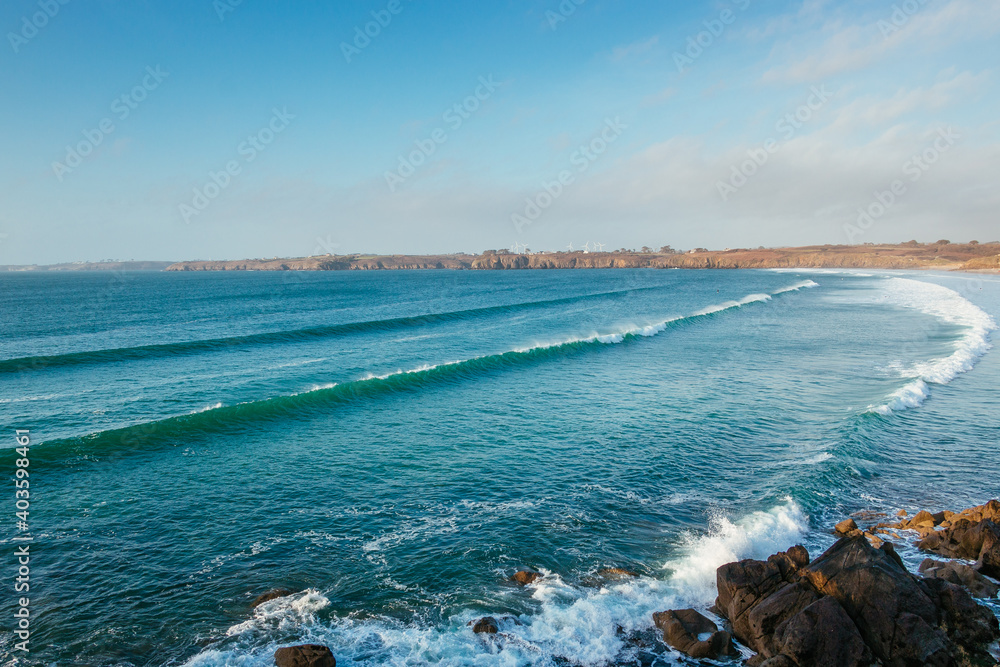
(395, 444)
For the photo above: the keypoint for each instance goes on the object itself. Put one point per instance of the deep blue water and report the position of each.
(396, 444)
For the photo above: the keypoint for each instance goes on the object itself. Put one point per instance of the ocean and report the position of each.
(394, 445)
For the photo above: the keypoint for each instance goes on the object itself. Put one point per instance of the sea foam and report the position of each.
(583, 625)
(947, 306)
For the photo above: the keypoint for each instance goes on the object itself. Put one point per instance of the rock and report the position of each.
(693, 634)
(791, 561)
(989, 556)
(845, 527)
(615, 573)
(486, 625)
(961, 575)
(525, 577)
(306, 655)
(901, 513)
(822, 635)
(777, 661)
(742, 586)
(896, 616)
(763, 619)
(922, 518)
(967, 623)
(272, 594)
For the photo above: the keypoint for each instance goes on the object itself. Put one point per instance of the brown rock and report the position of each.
(901, 513)
(791, 561)
(682, 628)
(306, 655)
(615, 573)
(822, 635)
(272, 594)
(922, 518)
(846, 526)
(777, 661)
(486, 625)
(743, 585)
(525, 577)
(961, 575)
(896, 617)
(764, 618)
(989, 556)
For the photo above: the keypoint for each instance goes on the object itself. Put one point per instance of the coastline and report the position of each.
(913, 256)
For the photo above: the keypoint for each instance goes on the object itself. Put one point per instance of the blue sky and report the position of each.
(246, 131)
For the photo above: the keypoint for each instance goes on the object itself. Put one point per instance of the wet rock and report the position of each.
(822, 635)
(306, 655)
(961, 575)
(923, 518)
(525, 577)
(845, 527)
(615, 573)
(272, 594)
(693, 634)
(486, 625)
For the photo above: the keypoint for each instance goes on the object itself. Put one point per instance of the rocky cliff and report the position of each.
(904, 256)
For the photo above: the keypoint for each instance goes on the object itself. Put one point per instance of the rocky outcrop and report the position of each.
(306, 655)
(693, 634)
(525, 577)
(272, 594)
(972, 534)
(852, 605)
(960, 574)
(486, 625)
(901, 256)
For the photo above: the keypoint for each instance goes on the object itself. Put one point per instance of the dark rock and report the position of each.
(989, 556)
(777, 661)
(272, 594)
(845, 527)
(525, 577)
(486, 625)
(822, 635)
(682, 628)
(961, 575)
(742, 586)
(764, 618)
(306, 655)
(970, 625)
(790, 562)
(896, 616)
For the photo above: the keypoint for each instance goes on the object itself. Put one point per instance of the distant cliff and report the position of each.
(90, 266)
(905, 256)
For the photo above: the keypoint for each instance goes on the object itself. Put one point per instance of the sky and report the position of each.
(228, 129)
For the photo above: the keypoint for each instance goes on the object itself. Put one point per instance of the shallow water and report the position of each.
(395, 444)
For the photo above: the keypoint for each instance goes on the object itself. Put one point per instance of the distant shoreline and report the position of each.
(972, 257)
